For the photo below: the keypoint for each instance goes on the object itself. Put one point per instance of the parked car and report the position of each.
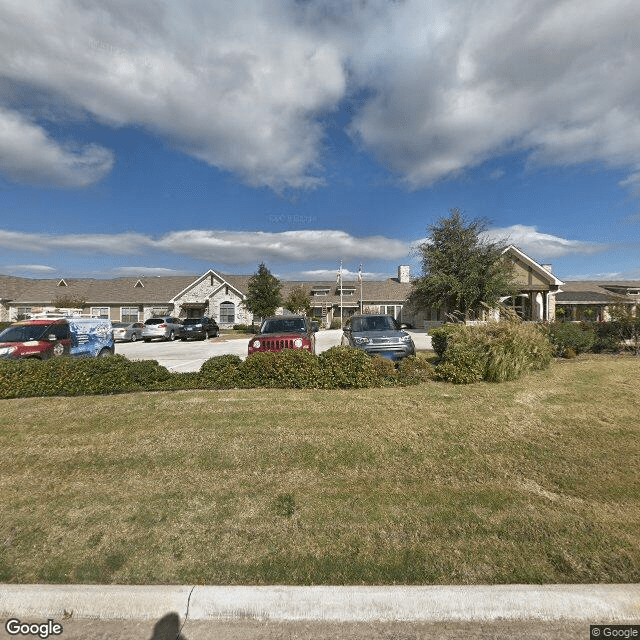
(127, 331)
(284, 332)
(202, 328)
(49, 337)
(378, 335)
(165, 328)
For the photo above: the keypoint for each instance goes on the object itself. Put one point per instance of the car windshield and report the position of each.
(284, 325)
(23, 333)
(374, 323)
(154, 321)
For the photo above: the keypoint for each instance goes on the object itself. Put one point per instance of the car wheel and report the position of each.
(206, 335)
(215, 333)
(172, 336)
(134, 337)
(105, 353)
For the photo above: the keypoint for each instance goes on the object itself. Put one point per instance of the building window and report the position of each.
(100, 312)
(227, 312)
(23, 313)
(129, 314)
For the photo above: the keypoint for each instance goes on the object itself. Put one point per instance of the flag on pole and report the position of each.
(360, 274)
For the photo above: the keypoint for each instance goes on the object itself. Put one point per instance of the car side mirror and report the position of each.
(51, 337)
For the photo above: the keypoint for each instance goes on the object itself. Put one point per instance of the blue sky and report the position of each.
(140, 139)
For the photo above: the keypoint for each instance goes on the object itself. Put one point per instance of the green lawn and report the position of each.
(533, 481)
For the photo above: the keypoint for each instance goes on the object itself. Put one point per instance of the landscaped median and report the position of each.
(495, 352)
(529, 481)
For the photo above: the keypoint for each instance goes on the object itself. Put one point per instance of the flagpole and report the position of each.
(341, 294)
(360, 278)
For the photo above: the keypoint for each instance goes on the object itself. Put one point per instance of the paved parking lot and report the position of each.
(189, 356)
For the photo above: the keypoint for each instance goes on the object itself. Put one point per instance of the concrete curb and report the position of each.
(589, 603)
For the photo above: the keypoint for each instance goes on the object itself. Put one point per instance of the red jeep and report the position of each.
(285, 332)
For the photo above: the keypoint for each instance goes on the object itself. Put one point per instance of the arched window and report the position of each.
(227, 312)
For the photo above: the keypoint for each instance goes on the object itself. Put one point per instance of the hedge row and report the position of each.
(571, 338)
(337, 368)
(495, 352)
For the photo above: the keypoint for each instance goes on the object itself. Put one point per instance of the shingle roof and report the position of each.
(595, 291)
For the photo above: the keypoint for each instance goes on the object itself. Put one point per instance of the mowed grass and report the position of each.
(534, 481)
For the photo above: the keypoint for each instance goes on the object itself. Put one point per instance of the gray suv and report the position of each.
(378, 335)
(164, 328)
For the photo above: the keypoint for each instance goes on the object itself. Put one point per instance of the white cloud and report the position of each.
(29, 155)
(331, 275)
(221, 247)
(146, 271)
(241, 85)
(29, 268)
(542, 246)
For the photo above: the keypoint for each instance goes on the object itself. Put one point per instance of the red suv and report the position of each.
(285, 332)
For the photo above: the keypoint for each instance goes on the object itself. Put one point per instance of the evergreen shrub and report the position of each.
(571, 335)
(289, 369)
(220, 372)
(346, 367)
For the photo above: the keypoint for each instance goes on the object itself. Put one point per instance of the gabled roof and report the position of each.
(223, 281)
(523, 257)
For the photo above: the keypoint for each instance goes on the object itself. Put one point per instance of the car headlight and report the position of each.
(256, 344)
(297, 343)
(360, 340)
(7, 351)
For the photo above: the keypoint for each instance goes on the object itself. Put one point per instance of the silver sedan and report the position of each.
(127, 331)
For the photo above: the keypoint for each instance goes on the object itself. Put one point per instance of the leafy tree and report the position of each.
(298, 300)
(69, 302)
(463, 271)
(263, 295)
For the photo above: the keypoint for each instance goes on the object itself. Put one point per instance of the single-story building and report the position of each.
(221, 296)
(592, 300)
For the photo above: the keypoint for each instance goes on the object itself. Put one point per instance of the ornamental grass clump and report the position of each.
(495, 352)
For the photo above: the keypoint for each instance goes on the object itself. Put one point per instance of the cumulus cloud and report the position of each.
(29, 155)
(244, 85)
(225, 247)
(544, 245)
(236, 84)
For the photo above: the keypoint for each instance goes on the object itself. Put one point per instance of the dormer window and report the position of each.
(62, 283)
(138, 284)
(320, 291)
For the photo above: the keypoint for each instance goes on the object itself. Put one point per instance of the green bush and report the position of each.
(289, 369)
(221, 372)
(346, 367)
(77, 376)
(414, 370)
(439, 337)
(610, 336)
(495, 352)
(247, 328)
(336, 323)
(570, 335)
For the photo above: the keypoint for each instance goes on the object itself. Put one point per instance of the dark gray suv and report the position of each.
(201, 328)
(378, 335)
